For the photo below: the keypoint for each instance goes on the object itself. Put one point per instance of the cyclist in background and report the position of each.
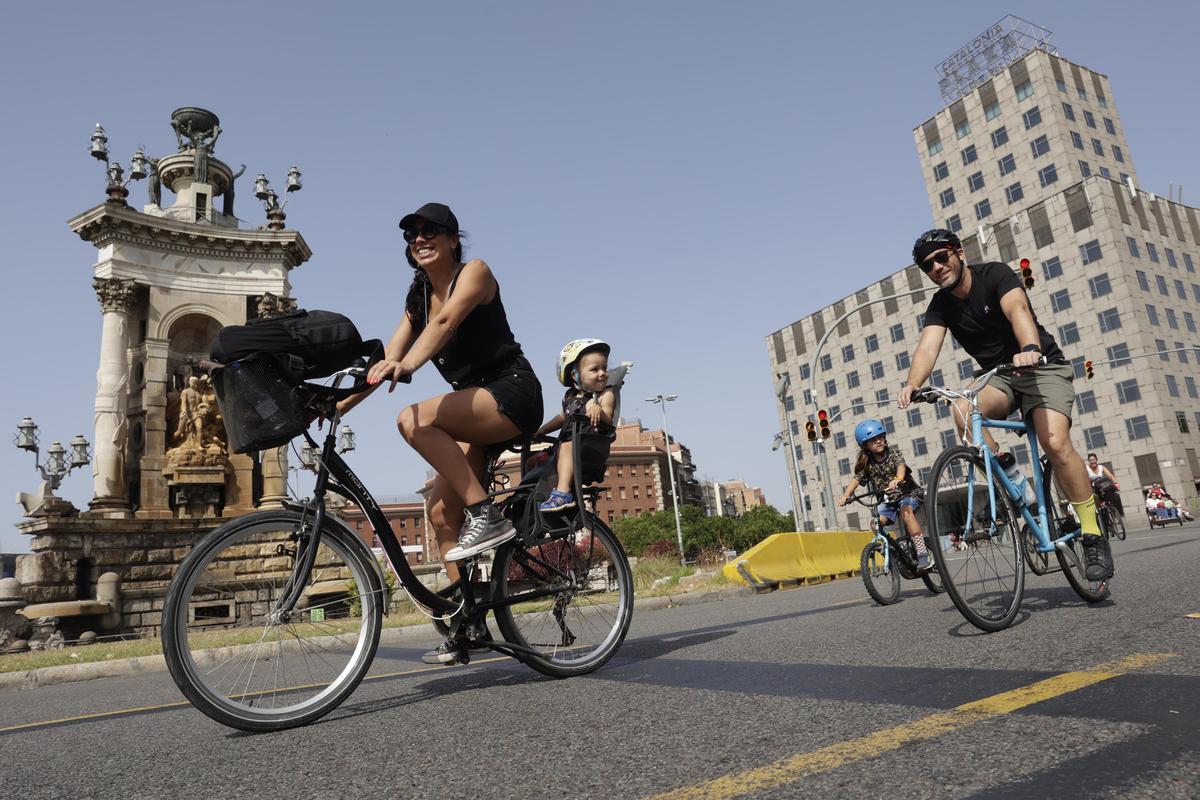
(1104, 483)
(987, 310)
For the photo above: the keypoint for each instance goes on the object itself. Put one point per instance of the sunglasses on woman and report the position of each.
(426, 232)
(941, 257)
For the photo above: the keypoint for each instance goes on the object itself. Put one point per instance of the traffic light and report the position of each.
(1087, 370)
(823, 421)
(1026, 274)
(811, 429)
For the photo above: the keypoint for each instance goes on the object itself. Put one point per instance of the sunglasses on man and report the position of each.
(940, 257)
(426, 232)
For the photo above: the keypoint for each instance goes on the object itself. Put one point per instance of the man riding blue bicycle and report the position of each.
(986, 309)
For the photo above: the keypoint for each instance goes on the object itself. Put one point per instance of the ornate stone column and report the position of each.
(116, 298)
(274, 461)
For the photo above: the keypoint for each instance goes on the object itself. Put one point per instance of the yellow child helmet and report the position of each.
(572, 352)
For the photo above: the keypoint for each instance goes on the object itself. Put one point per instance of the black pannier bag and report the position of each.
(324, 340)
(262, 402)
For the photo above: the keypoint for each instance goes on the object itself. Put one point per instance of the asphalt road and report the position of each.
(812, 692)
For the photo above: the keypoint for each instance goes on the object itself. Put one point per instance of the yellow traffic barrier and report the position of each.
(799, 558)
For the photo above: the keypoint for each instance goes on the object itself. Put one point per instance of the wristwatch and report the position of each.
(1031, 348)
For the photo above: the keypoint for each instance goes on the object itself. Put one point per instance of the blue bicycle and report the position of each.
(972, 502)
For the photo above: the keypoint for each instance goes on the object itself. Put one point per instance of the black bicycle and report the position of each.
(887, 559)
(274, 618)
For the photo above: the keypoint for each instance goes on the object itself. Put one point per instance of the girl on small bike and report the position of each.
(882, 468)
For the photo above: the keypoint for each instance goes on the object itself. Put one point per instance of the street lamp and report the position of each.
(779, 440)
(270, 199)
(116, 173)
(309, 455)
(56, 467)
(662, 401)
(781, 390)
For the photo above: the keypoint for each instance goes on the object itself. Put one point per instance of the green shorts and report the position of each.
(1050, 386)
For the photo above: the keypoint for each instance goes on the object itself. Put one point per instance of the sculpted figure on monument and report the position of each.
(227, 205)
(155, 183)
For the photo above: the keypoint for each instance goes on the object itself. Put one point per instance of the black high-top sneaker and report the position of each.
(484, 527)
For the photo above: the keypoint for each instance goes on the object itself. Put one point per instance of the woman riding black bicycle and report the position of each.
(453, 315)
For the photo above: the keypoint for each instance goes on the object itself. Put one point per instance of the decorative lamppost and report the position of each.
(309, 455)
(270, 200)
(57, 466)
(116, 173)
(662, 400)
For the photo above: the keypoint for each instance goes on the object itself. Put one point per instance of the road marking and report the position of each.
(801, 765)
(1192, 616)
(184, 703)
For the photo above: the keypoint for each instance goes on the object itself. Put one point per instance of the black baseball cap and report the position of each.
(437, 213)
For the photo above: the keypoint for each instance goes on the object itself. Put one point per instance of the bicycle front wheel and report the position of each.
(1113, 523)
(568, 601)
(879, 573)
(243, 659)
(986, 581)
(1070, 555)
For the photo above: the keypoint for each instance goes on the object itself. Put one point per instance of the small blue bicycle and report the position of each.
(972, 501)
(887, 559)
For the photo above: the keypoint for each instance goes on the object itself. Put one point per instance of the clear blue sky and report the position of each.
(680, 178)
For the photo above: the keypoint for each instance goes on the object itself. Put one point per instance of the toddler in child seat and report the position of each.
(883, 468)
(583, 369)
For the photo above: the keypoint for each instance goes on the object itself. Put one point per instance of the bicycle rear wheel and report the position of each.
(1037, 561)
(247, 663)
(933, 581)
(1070, 556)
(568, 599)
(880, 573)
(986, 581)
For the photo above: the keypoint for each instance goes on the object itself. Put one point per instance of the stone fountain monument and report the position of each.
(167, 278)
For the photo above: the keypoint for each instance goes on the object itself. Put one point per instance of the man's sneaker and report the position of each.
(1098, 557)
(447, 653)
(558, 501)
(924, 563)
(484, 527)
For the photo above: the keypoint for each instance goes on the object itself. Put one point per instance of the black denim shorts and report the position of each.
(518, 394)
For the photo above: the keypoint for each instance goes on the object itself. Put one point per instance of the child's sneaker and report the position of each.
(924, 563)
(558, 501)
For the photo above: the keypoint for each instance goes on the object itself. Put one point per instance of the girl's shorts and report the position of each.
(889, 509)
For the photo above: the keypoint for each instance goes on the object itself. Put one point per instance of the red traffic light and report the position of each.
(1026, 273)
(823, 415)
(1087, 370)
(1024, 263)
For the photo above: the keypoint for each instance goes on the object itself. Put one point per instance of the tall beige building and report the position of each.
(1030, 162)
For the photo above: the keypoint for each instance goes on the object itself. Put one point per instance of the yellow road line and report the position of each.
(795, 767)
(183, 703)
(1192, 616)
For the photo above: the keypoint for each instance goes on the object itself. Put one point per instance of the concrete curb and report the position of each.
(142, 665)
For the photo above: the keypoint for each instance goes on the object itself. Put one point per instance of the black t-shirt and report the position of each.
(978, 322)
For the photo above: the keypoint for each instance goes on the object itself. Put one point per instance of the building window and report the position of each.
(1085, 169)
(1060, 300)
(1171, 262)
(1040, 146)
(1098, 147)
(1076, 140)
(897, 331)
(1086, 402)
(1068, 111)
(830, 388)
(992, 111)
(942, 411)
(935, 147)
(1128, 391)
(1110, 320)
(936, 379)
(826, 362)
(1047, 175)
(1100, 285)
(1069, 333)
(852, 379)
(1189, 321)
(1181, 421)
(1109, 126)
(1133, 247)
(1152, 315)
(1032, 117)
(954, 223)
(1180, 289)
(1062, 87)
(1094, 438)
(843, 466)
(1052, 268)
(872, 343)
(1189, 383)
(914, 417)
(877, 370)
(920, 446)
(1187, 263)
(1024, 90)
(1118, 156)
(1007, 164)
(1014, 193)
(881, 396)
(1143, 281)
(1196, 291)
(1077, 367)
(902, 361)
(962, 130)
(949, 439)
(975, 182)
(805, 372)
(941, 171)
(1000, 137)
(839, 439)
(1118, 354)
(848, 353)
(946, 196)
(1137, 427)
(1104, 173)
(1172, 385)
(1172, 320)
(1089, 117)
(1090, 252)
(969, 155)
(889, 424)
(1161, 347)
(983, 209)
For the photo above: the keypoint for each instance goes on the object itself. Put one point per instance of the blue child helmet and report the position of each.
(867, 429)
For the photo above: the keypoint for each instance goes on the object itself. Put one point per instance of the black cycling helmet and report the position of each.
(933, 240)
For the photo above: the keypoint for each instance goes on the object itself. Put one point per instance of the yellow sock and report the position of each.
(1086, 511)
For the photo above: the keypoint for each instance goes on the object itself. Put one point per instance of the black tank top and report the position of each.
(483, 345)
